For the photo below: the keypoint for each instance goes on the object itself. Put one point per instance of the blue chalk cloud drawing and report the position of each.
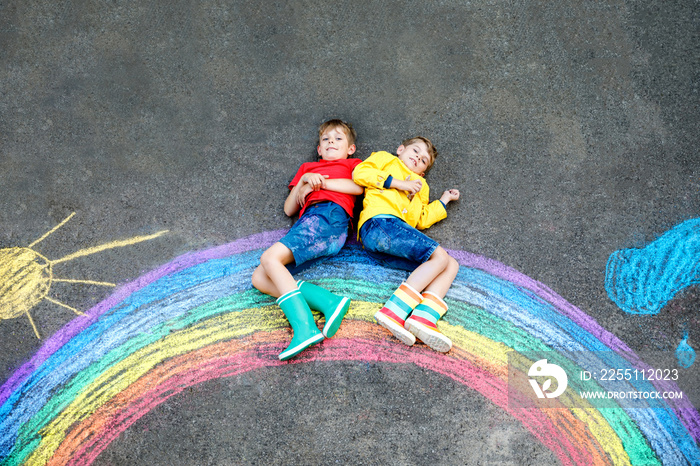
(642, 281)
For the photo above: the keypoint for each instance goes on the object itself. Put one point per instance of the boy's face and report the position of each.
(334, 145)
(415, 156)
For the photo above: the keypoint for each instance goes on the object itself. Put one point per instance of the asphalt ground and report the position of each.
(569, 127)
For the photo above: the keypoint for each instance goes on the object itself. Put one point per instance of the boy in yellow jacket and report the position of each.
(396, 205)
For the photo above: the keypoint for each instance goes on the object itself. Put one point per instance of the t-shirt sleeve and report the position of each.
(297, 177)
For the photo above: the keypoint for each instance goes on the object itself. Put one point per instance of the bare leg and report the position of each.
(443, 282)
(271, 276)
(429, 271)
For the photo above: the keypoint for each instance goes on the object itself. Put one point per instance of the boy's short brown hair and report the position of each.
(432, 150)
(343, 125)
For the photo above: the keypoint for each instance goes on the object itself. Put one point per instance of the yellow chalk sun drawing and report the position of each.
(26, 276)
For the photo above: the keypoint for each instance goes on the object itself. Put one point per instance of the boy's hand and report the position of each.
(315, 180)
(304, 191)
(449, 195)
(412, 187)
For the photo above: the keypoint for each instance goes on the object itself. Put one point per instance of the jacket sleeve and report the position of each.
(371, 173)
(432, 212)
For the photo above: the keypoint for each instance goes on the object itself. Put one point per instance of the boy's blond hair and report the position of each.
(343, 125)
(432, 150)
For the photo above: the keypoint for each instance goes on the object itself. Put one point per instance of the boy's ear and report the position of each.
(352, 149)
(318, 150)
(400, 149)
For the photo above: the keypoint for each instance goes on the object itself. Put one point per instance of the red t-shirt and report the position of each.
(334, 169)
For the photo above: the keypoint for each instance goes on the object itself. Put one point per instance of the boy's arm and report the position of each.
(306, 183)
(371, 173)
(449, 195)
(344, 185)
(291, 206)
(297, 185)
(339, 185)
(412, 187)
(435, 211)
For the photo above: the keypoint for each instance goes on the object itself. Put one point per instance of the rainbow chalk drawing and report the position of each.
(197, 318)
(642, 281)
(26, 276)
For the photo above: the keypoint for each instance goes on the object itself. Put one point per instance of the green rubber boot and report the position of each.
(306, 332)
(332, 306)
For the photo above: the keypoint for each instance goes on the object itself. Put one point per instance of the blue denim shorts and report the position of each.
(392, 242)
(321, 231)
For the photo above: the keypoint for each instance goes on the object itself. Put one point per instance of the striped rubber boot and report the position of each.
(306, 332)
(393, 315)
(332, 306)
(423, 322)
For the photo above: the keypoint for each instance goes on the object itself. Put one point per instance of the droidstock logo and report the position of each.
(542, 369)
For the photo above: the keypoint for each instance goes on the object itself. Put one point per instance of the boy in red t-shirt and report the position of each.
(325, 193)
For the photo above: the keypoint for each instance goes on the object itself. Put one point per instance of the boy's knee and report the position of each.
(440, 257)
(452, 265)
(276, 255)
(270, 256)
(265, 258)
(268, 263)
(257, 277)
